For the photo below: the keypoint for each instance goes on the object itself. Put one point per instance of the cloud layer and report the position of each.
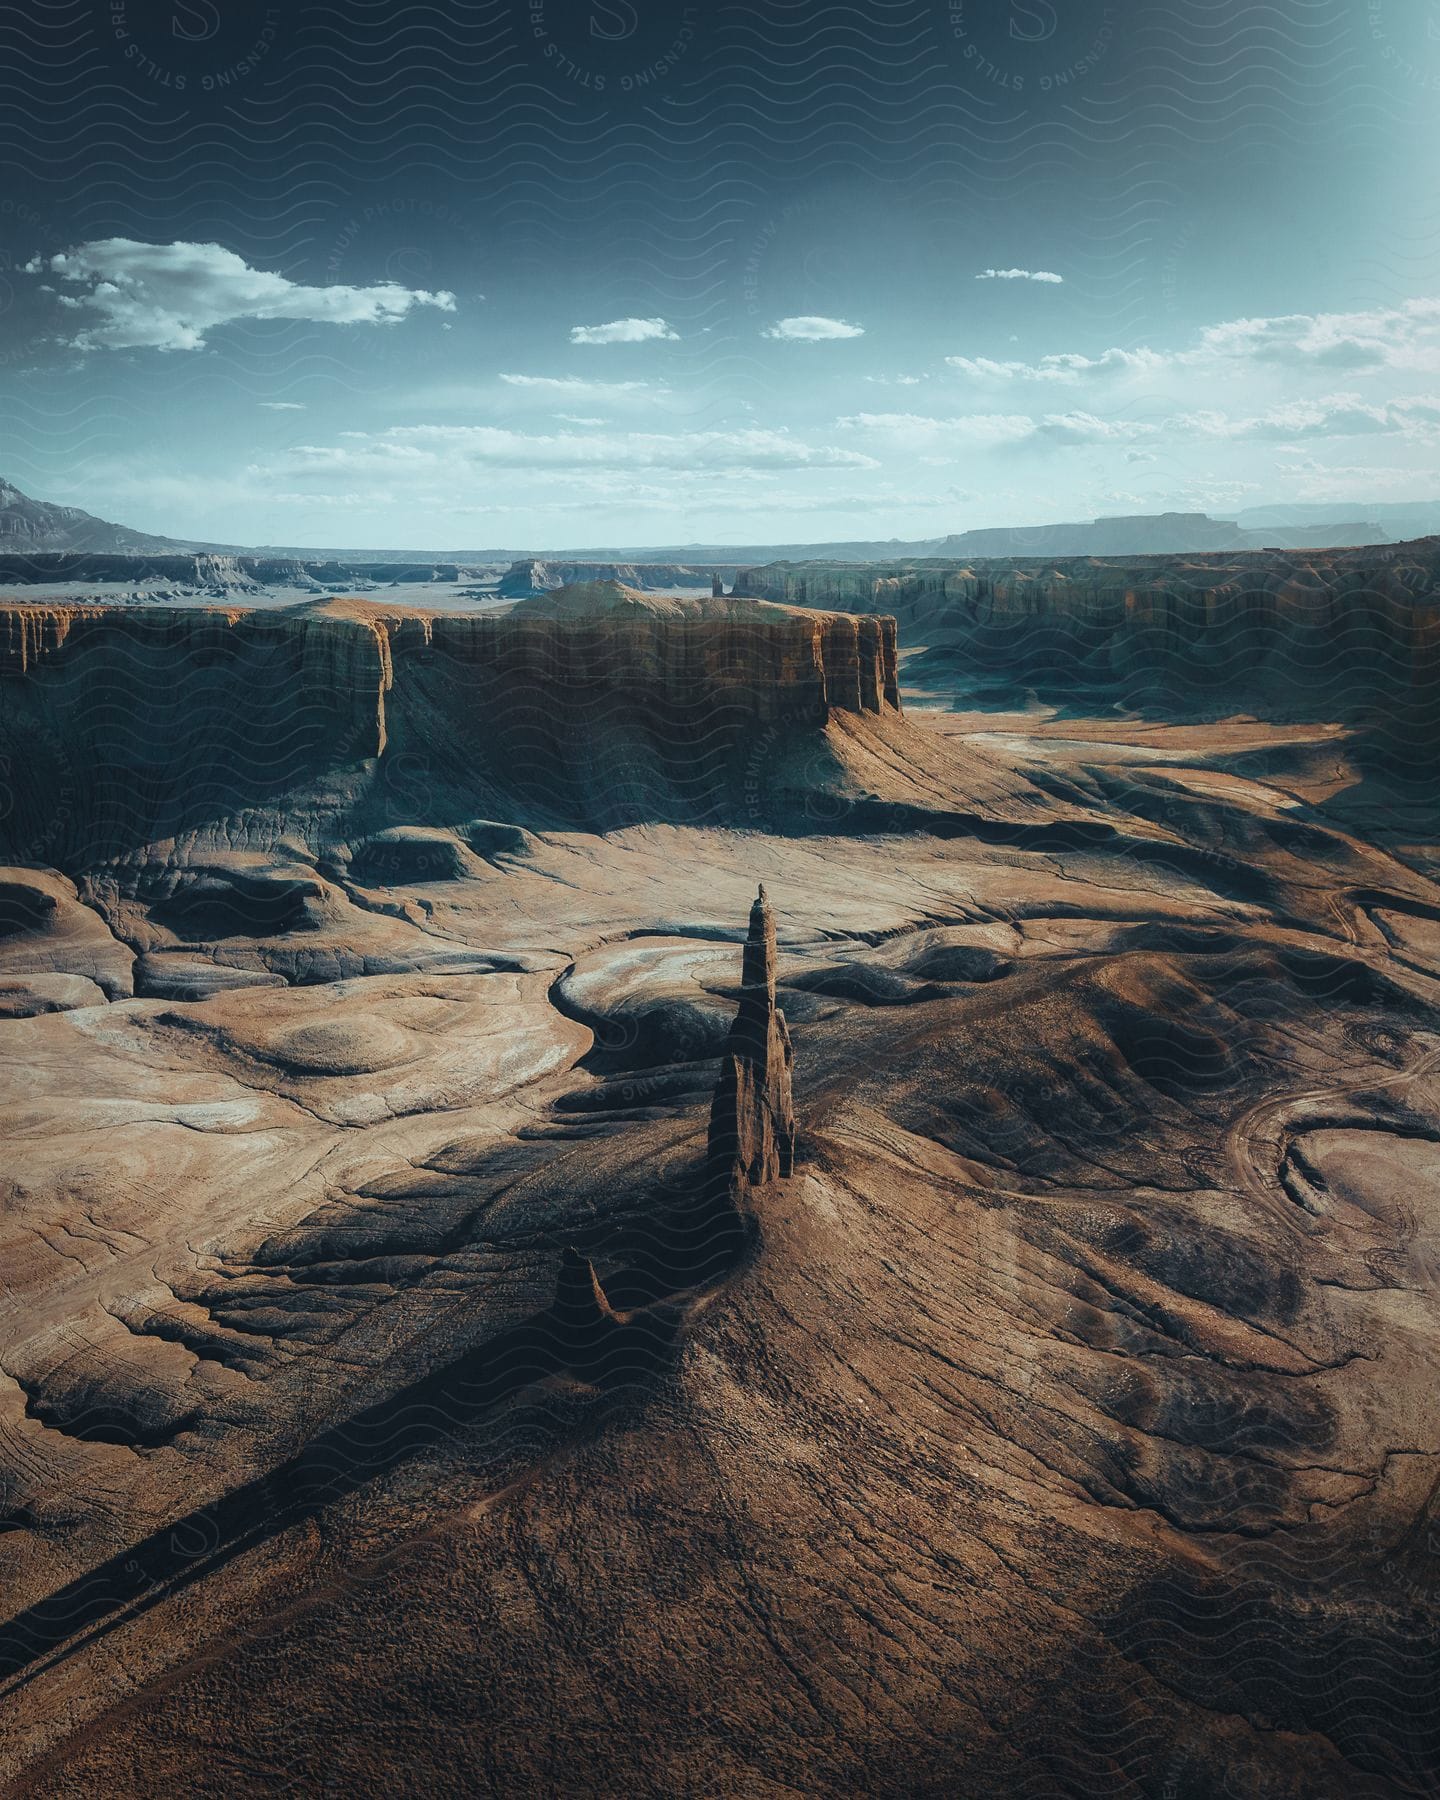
(562, 387)
(133, 295)
(1386, 338)
(441, 446)
(1064, 367)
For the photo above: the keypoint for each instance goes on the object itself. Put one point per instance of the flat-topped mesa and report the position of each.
(752, 1118)
(594, 705)
(770, 661)
(539, 575)
(776, 661)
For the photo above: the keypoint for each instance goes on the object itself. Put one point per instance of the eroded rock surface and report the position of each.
(1345, 633)
(380, 1409)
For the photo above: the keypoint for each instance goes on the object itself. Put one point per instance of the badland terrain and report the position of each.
(497, 1303)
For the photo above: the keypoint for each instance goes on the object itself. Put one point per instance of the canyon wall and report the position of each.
(143, 718)
(1350, 627)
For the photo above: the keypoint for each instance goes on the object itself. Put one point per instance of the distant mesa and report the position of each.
(1153, 534)
(531, 575)
(610, 598)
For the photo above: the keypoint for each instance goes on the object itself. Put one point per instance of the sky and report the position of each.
(542, 275)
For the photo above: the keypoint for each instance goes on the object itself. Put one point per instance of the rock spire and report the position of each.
(752, 1118)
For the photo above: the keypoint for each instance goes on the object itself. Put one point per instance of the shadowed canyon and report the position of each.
(493, 1305)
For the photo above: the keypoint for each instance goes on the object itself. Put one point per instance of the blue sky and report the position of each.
(544, 275)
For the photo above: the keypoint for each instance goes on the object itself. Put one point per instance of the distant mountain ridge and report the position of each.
(28, 525)
(37, 526)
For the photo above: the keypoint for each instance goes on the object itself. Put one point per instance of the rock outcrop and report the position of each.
(751, 1140)
(115, 574)
(531, 575)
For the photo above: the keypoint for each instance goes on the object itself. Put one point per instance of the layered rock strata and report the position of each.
(1353, 626)
(153, 713)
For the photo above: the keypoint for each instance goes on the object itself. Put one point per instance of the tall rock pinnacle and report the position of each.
(752, 1119)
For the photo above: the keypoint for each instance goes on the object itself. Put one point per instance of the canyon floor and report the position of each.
(1070, 1425)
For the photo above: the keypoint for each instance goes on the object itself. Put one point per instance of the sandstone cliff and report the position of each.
(611, 708)
(1351, 628)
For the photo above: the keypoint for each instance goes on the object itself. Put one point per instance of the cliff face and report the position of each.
(151, 713)
(1358, 626)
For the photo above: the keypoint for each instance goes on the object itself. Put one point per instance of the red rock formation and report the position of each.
(752, 1118)
(620, 703)
(351, 653)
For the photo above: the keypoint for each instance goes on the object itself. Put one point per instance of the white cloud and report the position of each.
(1331, 416)
(1021, 275)
(1085, 428)
(1067, 368)
(917, 430)
(1399, 337)
(810, 328)
(622, 331)
(1414, 417)
(577, 419)
(430, 448)
(1403, 337)
(566, 388)
(282, 406)
(168, 296)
